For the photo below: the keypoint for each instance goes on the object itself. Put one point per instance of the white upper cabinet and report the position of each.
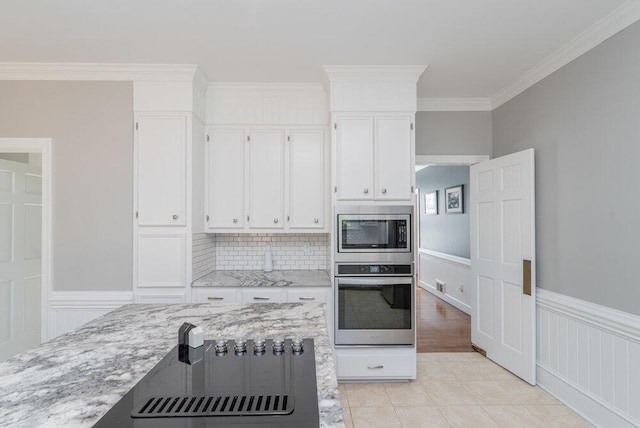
(354, 157)
(226, 152)
(393, 157)
(307, 185)
(161, 157)
(374, 157)
(266, 179)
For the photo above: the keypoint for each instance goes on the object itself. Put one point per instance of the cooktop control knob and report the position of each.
(240, 346)
(278, 345)
(296, 345)
(221, 347)
(258, 346)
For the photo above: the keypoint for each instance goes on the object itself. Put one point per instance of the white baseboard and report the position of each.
(69, 310)
(589, 358)
(446, 297)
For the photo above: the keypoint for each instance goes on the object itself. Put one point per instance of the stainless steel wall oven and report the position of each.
(374, 276)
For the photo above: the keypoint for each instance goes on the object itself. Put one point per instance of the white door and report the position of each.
(503, 262)
(226, 178)
(161, 143)
(306, 178)
(354, 158)
(20, 257)
(266, 179)
(393, 158)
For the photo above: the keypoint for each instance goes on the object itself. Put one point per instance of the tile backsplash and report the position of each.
(239, 251)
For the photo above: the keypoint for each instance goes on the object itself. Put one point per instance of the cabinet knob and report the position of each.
(235, 220)
(315, 220)
(384, 190)
(175, 216)
(275, 220)
(366, 191)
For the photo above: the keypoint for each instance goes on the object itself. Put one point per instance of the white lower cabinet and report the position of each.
(162, 260)
(304, 295)
(215, 295)
(375, 363)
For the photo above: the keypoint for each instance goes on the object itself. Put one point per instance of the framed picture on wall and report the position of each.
(431, 203)
(454, 200)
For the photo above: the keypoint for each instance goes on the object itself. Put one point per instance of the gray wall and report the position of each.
(584, 123)
(446, 233)
(91, 124)
(453, 133)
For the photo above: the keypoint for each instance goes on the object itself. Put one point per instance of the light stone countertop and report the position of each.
(73, 380)
(258, 278)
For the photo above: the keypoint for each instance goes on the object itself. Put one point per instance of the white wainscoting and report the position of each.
(69, 310)
(453, 271)
(589, 358)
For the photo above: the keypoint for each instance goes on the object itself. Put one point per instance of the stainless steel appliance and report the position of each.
(225, 383)
(374, 304)
(370, 233)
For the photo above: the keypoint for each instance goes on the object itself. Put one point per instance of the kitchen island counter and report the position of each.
(75, 379)
(258, 278)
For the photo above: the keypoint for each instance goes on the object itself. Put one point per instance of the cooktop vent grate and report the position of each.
(207, 405)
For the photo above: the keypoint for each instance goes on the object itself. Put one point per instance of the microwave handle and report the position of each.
(407, 280)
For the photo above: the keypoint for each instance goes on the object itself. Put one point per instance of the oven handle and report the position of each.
(406, 280)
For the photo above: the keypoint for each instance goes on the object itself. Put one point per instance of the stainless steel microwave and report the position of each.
(369, 232)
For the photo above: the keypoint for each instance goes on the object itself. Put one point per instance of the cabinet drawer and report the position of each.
(263, 296)
(307, 296)
(374, 366)
(216, 295)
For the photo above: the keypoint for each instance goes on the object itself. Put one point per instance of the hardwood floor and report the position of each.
(441, 327)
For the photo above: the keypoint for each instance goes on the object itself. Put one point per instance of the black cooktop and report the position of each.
(225, 383)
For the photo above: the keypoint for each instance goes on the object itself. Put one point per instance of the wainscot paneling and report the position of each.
(69, 310)
(589, 358)
(454, 271)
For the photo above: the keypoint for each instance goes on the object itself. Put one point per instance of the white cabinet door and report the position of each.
(161, 151)
(306, 179)
(266, 179)
(354, 158)
(393, 170)
(226, 178)
(161, 260)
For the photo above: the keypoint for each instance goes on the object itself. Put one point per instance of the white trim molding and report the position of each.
(428, 160)
(454, 104)
(447, 257)
(589, 358)
(102, 71)
(616, 21)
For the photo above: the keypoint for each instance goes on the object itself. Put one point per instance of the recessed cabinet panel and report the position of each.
(393, 158)
(306, 180)
(226, 178)
(266, 179)
(162, 260)
(161, 170)
(354, 158)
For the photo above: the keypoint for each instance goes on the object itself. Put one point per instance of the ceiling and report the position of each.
(473, 48)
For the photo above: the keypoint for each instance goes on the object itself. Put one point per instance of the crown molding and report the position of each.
(267, 86)
(454, 104)
(616, 21)
(101, 71)
(374, 72)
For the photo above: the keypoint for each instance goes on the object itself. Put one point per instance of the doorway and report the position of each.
(443, 261)
(25, 167)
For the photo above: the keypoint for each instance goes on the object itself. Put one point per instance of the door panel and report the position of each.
(266, 179)
(306, 179)
(354, 158)
(393, 158)
(502, 236)
(226, 178)
(161, 170)
(20, 257)
(162, 260)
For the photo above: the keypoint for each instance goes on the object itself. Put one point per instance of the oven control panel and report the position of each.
(373, 269)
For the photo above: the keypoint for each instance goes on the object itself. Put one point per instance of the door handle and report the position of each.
(215, 298)
(261, 298)
(372, 367)
(526, 277)
(306, 298)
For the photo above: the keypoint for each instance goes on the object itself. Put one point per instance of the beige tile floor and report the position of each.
(457, 389)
